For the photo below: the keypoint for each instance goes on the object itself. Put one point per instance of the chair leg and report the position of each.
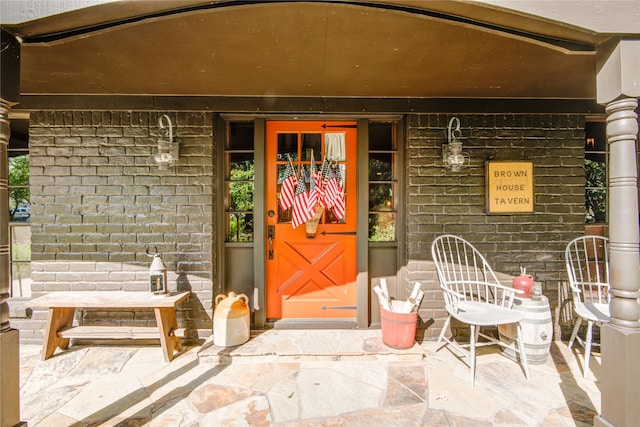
(523, 354)
(472, 348)
(575, 331)
(587, 348)
(442, 333)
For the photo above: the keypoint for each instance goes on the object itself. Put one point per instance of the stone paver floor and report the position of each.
(308, 378)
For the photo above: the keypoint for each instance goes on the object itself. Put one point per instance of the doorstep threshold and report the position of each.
(285, 345)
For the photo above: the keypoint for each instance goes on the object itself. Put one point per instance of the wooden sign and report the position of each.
(509, 187)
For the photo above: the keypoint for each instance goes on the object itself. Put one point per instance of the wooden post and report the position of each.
(618, 86)
(9, 338)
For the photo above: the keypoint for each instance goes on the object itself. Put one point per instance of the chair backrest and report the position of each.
(587, 259)
(464, 271)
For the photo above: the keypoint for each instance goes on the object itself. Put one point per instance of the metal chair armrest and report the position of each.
(473, 285)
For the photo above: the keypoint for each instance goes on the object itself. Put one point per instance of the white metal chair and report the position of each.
(587, 259)
(473, 295)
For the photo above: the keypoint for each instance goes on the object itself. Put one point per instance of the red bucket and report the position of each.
(398, 329)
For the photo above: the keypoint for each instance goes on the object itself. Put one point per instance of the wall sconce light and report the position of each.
(452, 155)
(168, 149)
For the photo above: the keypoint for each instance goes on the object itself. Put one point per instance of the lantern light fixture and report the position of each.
(168, 149)
(453, 157)
(157, 274)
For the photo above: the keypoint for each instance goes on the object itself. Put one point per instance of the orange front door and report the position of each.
(310, 276)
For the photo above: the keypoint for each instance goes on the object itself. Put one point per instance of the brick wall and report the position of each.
(441, 201)
(99, 201)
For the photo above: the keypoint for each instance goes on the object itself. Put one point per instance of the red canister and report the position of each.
(523, 282)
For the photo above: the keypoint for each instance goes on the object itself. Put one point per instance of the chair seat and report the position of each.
(596, 312)
(483, 314)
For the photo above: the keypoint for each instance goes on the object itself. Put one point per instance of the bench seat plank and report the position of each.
(109, 332)
(107, 299)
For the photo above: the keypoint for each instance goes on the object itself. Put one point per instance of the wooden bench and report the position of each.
(62, 307)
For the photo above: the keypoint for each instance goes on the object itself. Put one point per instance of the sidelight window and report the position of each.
(239, 182)
(596, 173)
(19, 211)
(382, 182)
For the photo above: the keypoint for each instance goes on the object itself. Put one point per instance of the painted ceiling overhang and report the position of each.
(399, 49)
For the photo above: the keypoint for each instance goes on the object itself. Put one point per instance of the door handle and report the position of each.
(271, 233)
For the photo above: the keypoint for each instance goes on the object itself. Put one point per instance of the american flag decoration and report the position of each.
(323, 176)
(314, 185)
(288, 186)
(338, 205)
(331, 192)
(302, 210)
(326, 190)
(320, 181)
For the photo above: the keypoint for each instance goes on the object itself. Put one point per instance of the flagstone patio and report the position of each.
(302, 378)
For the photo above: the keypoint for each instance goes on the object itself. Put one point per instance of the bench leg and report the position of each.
(167, 322)
(58, 318)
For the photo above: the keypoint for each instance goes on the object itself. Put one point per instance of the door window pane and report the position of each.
(20, 260)
(19, 192)
(240, 227)
(382, 227)
(240, 136)
(380, 167)
(381, 197)
(288, 144)
(595, 205)
(311, 141)
(240, 196)
(330, 218)
(381, 137)
(284, 215)
(240, 166)
(282, 170)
